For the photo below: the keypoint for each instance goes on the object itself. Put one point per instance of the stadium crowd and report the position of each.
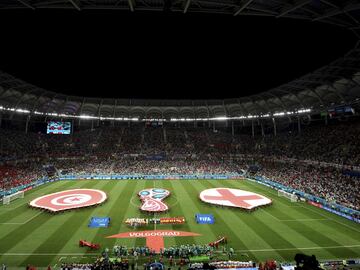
(140, 149)
(328, 183)
(334, 143)
(18, 175)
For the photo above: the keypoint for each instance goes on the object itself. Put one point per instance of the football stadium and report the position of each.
(254, 180)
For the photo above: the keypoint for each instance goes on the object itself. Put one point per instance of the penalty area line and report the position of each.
(19, 223)
(332, 219)
(13, 207)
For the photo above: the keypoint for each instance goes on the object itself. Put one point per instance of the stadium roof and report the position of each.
(339, 12)
(334, 84)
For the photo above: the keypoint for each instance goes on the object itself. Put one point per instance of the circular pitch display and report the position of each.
(234, 198)
(69, 199)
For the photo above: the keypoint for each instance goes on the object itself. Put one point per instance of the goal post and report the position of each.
(7, 199)
(288, 195)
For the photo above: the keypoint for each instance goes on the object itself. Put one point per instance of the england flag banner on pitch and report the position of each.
(69, 199)
(234, 198)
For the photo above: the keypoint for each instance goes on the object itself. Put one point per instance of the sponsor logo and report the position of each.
(152, 199)
(146, 221)
(234, 198)
(204, 219)
(97, 222)
(172, 220)
(69, 199)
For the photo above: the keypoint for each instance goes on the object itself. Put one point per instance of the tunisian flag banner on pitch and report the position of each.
(69, 199)
(234, 198)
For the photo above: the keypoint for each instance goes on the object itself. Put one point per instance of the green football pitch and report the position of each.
(279, 231)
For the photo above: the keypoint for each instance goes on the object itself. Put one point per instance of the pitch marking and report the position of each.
(18, 223)
(333, 219)
(12, 208)
(289, 220)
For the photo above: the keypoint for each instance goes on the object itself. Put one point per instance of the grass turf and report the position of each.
(29, 236)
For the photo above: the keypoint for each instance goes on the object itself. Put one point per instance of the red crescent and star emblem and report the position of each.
(69, 199)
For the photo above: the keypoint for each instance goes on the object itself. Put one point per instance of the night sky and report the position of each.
(162, 55)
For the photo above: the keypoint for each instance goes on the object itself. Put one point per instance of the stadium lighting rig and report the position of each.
(137, 119)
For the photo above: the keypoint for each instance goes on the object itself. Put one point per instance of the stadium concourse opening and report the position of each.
(207, 135)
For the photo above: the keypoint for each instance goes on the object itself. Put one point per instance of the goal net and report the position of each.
(290, 196)
(9, 198)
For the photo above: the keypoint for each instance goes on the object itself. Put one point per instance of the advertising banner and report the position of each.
(147, 221)
(99, 222)
(205, 219)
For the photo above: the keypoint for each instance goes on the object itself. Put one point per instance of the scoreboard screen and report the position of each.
(58, 127)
